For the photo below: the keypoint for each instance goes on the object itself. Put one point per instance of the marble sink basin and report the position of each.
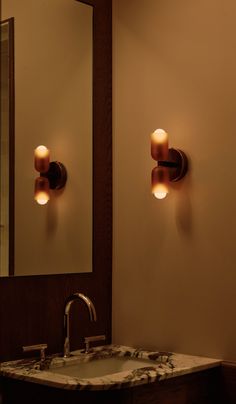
(102, 367)
(112, 364)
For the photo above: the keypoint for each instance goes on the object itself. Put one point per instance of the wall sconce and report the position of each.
(172, 164)
(52, 175)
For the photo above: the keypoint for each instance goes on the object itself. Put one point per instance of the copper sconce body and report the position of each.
(172, 164)
(53, 175)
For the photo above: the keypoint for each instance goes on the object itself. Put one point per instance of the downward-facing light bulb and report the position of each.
(42, 198)
(160, 191)
(160, 178)
(41, 190)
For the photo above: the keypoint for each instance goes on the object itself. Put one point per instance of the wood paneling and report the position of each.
(15, 391)
(32, 307)
(197, 388)
(228, 382)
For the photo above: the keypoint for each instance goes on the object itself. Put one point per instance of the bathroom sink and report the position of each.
(105, 368)
(102, 367)
(105, 361)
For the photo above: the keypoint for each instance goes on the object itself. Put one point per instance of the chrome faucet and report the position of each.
(92, 315)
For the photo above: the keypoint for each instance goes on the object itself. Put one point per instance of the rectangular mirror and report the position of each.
(53, 51)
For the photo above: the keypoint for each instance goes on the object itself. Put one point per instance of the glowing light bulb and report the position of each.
(41, 190)
(160, 178)
(160, 191)
(41, 151)
(42, 198)
(160, 136)
(41, 159)
(159, 145)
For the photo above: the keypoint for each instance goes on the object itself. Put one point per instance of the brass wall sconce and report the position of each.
(52, 175)
(172, 164)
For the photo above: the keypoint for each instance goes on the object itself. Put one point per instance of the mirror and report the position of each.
(53, 51)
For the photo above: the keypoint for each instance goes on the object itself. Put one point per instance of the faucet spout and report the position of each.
(90, 305)
(92, 316)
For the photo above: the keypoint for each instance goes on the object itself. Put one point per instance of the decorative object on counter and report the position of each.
(92, 315)
(93, 338)
(38, 347)
(172, 164)
(159, 366)
(52, 175)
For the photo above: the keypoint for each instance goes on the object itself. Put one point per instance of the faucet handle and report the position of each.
(93, 338)
(38, 347)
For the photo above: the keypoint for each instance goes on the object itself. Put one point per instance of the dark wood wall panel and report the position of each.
(32, 307)
(228, 382)
(211, 386)
(196, 388)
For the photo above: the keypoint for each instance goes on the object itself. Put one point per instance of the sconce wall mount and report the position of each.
(53, 175)
(177, 163)
(56, 175)
(172, 164)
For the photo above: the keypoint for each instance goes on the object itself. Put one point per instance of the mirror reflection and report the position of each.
(53, 107)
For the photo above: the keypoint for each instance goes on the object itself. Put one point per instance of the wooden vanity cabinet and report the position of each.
(196, 388)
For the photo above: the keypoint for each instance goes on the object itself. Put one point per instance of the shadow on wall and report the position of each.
(184, 212)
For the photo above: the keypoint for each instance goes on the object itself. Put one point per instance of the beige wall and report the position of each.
(53, 100)
(174, 279)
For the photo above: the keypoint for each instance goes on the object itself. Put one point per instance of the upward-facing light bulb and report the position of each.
(41, 159)
(159, 145)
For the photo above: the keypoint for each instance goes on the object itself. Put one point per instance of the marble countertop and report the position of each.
(162, 365)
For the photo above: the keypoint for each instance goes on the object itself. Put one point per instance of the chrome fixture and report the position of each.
(93, 338)
(38, 347)
(92, 315)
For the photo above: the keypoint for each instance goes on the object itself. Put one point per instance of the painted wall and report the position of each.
(53, 106)
(174, 277)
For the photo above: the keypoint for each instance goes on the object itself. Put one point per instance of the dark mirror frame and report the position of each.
(11, 151)
(32, 307)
